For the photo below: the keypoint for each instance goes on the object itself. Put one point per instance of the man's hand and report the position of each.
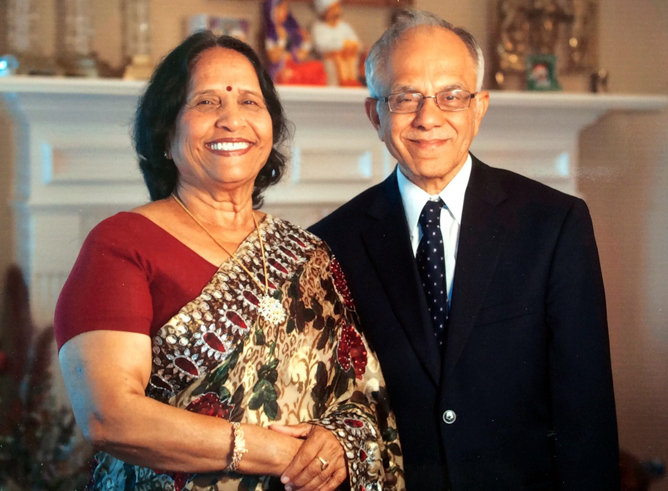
(320, 463)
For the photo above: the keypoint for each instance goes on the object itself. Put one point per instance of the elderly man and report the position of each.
(479, 289)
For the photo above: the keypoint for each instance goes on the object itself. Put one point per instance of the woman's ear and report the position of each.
(168, 147)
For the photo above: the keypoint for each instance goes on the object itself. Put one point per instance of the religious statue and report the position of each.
(513, 34)
(560, 29)
(288, 47)
(337, 43)
(545, 17)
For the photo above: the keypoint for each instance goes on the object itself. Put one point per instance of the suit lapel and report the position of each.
(481, 237)
(388, 243)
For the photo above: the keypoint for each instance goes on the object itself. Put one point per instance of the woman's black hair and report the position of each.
(164, 97)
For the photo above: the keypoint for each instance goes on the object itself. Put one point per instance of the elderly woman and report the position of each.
(205, 344)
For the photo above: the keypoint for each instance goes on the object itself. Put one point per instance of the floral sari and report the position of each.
(219, 357)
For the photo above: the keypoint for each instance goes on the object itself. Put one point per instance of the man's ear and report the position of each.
(371, 107)
(482, 103)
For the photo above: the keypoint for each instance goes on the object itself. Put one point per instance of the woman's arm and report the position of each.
(106, 373)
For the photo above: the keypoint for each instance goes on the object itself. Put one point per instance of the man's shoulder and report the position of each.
(348, 214)
(522, 189)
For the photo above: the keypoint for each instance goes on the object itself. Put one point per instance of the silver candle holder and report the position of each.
(76, 33)
(24, 41)
(137, 39)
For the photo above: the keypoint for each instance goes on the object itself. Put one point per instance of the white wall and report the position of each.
(625, 164)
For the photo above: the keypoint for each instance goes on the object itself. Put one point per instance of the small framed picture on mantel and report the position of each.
(542, 72)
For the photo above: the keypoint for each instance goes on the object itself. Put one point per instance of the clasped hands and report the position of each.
(319, 465)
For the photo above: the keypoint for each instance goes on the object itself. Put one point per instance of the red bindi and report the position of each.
(229, 88)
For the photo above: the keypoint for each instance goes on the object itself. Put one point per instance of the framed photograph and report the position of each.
(542, 72)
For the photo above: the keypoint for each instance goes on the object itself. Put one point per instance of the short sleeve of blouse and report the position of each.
(108, 288)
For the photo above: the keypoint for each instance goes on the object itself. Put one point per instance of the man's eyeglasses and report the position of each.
(412, 102)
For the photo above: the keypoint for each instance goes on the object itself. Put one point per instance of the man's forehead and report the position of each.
(427, 37)
(430, 54)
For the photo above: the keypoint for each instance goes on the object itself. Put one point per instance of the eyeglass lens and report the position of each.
(412, 101)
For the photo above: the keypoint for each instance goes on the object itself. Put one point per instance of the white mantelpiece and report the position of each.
(74, 164)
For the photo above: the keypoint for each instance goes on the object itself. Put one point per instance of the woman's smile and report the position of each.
(229, 147)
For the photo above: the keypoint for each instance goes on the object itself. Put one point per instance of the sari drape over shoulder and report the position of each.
(217, 356)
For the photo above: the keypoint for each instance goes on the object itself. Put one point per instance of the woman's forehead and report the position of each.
(222, 67)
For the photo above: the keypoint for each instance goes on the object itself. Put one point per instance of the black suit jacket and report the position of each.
(526, 370)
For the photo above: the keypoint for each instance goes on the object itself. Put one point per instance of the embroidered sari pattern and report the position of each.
(218, 357)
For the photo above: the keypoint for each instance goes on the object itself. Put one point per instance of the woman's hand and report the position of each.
(319, 464)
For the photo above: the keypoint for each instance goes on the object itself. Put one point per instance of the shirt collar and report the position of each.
(414, 197)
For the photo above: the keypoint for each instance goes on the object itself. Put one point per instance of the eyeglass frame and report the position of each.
(386, 100)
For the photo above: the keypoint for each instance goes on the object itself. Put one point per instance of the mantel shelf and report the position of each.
(101, 86)
(74, 163)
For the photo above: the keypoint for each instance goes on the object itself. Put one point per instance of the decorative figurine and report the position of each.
(288, 48)
(337, 43)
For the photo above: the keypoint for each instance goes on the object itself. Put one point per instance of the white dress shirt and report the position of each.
(414, 199)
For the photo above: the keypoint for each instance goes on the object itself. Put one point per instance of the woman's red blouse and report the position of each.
(131, 275)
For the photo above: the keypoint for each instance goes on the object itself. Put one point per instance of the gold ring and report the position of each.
(323, 463)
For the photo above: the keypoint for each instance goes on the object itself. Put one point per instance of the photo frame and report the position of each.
(541, 72)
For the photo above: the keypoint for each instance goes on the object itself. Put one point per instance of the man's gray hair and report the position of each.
(408, 19)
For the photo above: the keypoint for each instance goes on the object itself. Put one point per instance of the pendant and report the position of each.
(271, 310)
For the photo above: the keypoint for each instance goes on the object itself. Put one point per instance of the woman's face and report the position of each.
(223, 133)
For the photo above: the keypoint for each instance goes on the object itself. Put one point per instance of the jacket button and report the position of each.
(449, 416)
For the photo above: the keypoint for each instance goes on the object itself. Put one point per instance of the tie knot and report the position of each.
(431, 214)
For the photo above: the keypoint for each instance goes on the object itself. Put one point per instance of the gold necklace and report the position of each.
(270, 309)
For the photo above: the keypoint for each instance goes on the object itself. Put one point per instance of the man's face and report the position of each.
(430, 145)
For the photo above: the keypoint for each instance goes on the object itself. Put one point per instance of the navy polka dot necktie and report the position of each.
(431, 264)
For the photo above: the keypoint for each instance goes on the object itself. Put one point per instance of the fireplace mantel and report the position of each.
(74, 164)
